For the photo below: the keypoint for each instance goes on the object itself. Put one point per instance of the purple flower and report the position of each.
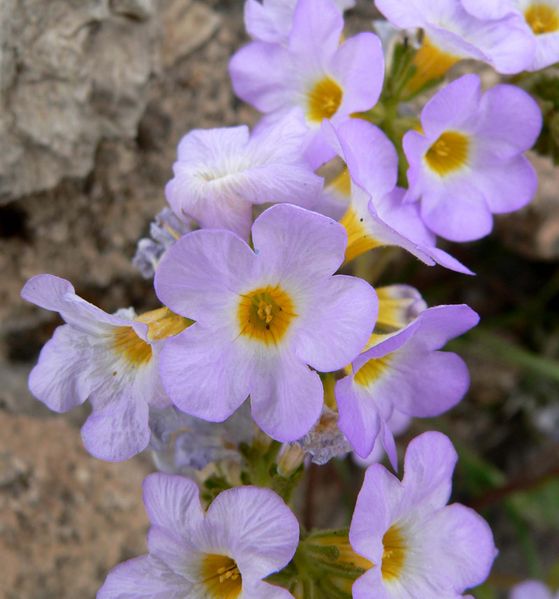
(183, 444)
(532, 589)
(468, 162)
(541, 20)
(246, 534)
(407, 372)
(221, 173)
(164, 231)
(271, 20)
(312, 72)
(261, 317)
(109, 359)
(376, 214)
(420, 547)
(452, 34)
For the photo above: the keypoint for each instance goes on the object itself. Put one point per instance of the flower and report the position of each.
(420, 547)
(221, 173)
(182, 444)
(468, 162)
(271, 20)
(164, 231)
(532, 589)
(376, 214)
(312, 72)
(246, 534)
(110, 359)
(404, 371)
(541, 18)
(398, 306)
(261, 317)
(452, 34)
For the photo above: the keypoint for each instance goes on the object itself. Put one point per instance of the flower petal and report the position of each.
(261, 76)
(58, 295)
(205, 373)
(258, 528)
(378, 501)
(118, 431)
(358, 65)
(143, 576)
(172, 502)
(295, 243)
(428, 468)
(460, 542)
(341, 320)
(202, 272)
(286, 398)
(531, 589)
(63, 377)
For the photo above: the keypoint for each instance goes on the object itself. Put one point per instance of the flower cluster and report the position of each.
(263, 353)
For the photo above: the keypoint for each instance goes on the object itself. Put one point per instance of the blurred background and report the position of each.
(94, 96)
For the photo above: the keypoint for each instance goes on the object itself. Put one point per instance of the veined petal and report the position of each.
(262, 590)
(286, 398)
(172, 502)
(360, 419)
(58, 295)
(377, 504)
(143, 576)
(428, 468)
(358, 65)
(341, 320)
(262, 76)
(509, 121)
(457, 211)
(63, 377)
(315, 35)
(370, 585)
(370, 156)
(452, 106)
(460, 542)
(201, 273)
(293, 242)
(205, 373)
(260, 531)
(496, 9)
(118, 431)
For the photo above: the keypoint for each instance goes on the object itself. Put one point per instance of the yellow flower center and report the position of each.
(372, 370)
(129, 346)
(449, 153)
(430, 63)
(393, 312)
(221, 577)
(394, 554)
(162, 323)
(323, 100)
(542, 18)
(265, 314)
(342, 183)
(359, 240)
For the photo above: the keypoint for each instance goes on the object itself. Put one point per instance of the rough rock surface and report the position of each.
(65, 518)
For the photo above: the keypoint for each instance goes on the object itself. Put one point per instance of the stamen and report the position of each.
(449, 153)
(221, 577)
(394, 554)
(265, 314)
(323, 100)
(542, 18)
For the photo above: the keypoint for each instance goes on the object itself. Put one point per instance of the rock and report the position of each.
(66, 519)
